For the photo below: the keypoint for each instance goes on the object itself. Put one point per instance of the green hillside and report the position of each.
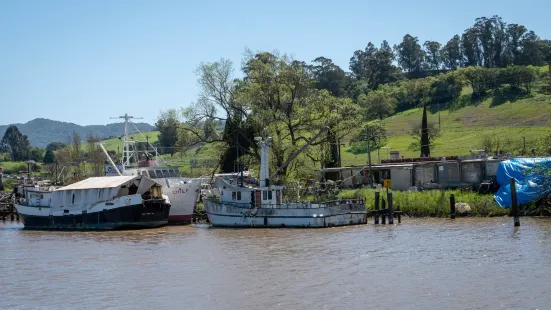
(513, 123)
(114, 143)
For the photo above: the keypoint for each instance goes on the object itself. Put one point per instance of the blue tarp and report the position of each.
(530, 176)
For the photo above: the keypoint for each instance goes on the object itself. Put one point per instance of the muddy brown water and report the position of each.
(467, 263)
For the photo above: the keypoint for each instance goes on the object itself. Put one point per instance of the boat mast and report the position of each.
(264, 158)
(126, 153)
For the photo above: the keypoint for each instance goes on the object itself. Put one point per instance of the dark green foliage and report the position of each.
(240, 136)
(433, 54)
(374, 66)
(168, 125)
(55, 146)
(16, 144)
(452, 56)
(36, 154)
(410, 55)
(49, 157)
(425, 143)
(328, 76)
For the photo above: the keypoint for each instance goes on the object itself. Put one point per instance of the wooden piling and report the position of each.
(376, 214)
(383, 207)
(452, 206)
(399, 214)
(514, 207)
(390, 209)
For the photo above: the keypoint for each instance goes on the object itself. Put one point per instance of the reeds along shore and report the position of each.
(436, 203)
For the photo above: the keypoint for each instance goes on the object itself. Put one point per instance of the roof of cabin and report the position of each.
(99, 182)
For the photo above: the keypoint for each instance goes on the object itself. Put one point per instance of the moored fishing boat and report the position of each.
(182, 192)
(99, 203)
(240, 205)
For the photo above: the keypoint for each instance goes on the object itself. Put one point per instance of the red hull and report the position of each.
(179, 218)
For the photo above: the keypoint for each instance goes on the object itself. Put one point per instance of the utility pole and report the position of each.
(368, 137)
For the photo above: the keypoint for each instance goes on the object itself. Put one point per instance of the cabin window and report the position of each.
(152, 174)
(269, 195)
(73, 198)
(159, 173)
(233, 195)
(264, 195)
(166, 174)
(238, 195)
(173, 174)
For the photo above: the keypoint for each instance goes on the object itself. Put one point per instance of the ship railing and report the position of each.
(295, 205)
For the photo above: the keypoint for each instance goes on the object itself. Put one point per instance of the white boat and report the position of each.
(98, 203)
(240, 205)
(183, 192)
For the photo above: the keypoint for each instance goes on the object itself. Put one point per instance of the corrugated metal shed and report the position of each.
(401, 177)
(99, 182)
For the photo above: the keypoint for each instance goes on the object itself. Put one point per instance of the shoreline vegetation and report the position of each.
(436, 203)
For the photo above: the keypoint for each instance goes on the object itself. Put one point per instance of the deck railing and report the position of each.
(293, 205)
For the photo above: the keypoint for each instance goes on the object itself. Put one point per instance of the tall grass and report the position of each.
(431, 203)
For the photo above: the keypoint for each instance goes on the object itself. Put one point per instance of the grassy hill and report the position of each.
(114, 144)
(514, 122)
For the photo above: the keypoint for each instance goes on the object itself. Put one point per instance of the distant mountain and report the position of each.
(43, 131)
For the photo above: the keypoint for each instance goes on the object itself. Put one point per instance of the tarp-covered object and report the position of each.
(531, 176)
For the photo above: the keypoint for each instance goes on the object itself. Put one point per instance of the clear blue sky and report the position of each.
(84, 61)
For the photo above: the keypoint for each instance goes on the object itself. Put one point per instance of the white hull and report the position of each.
(182, 193)
(292, 215)
(183, 198)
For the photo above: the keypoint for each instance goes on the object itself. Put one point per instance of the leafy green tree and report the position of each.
(471, 48)
(410, 54)
(516, 33)
(375, 132)
(531, 50)
(49, 157)
(328, 76)
(377, 104)
(55, 146)
(433, 54)
(167, 124)
(18, 143)
(478, 78)
(282, 98)
(492, 35)
(36, 153)
(424, 136)
(452, 56)
(374, 66)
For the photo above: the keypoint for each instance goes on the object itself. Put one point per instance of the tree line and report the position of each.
(76, 157)
(292, 100)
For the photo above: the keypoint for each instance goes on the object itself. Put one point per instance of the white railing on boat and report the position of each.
(294, 205)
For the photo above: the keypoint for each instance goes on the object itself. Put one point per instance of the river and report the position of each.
(467, 263)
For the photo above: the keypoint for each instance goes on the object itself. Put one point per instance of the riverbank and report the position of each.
(436, 203)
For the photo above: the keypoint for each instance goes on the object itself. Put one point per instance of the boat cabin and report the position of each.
(248, 195)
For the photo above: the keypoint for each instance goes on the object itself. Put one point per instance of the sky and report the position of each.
(86, 61)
